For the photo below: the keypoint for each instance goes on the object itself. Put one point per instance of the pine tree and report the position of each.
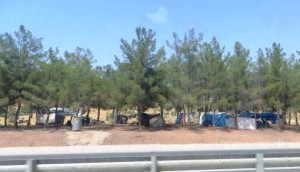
(23, 54)
(186, 56)
(140, 60)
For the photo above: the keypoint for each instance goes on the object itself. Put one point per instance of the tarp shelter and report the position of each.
(41, 118)
(268, 116)
(225, 120)
(219, 118)
(156, 122)
(61, 114)
(145, 118)
(246, 123)
(181, 116)
(122, 119)
(230, 122)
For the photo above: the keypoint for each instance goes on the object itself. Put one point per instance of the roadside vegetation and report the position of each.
(196, 76)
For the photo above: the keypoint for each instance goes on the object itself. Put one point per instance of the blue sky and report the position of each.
(99, 25)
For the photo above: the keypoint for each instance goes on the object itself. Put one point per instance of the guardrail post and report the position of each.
(153, 167)
(260, 162)
(31, 166)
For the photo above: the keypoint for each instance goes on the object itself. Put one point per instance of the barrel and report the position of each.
(76, 124)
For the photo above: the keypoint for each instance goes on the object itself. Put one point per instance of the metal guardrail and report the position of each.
(233, 160)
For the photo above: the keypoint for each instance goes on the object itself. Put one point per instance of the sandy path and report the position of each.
(91, 138)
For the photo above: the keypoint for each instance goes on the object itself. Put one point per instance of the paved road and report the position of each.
(119, 153)
(11, 151)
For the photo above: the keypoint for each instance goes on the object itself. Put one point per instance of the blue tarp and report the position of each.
(269, 116)
(220, 119)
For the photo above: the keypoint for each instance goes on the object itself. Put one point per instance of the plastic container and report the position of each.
(76, 124)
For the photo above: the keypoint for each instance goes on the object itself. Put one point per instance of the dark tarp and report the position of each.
(145, 118)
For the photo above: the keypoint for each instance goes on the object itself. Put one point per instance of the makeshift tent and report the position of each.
(219, 118)
(61, 114)
(41, 119)
(145, 118)
(230, 122)
(156, 122)
(246, 123)
(223, 119)
(264, 115)
(122, 119)
(181, 116)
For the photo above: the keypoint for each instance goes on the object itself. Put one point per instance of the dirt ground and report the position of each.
(31, 137)
(86, 137)
(199, 135)
(96, 135)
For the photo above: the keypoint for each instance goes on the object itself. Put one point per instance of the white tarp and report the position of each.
(41, 119)
(243, 123)
(201, 118)
(246, 123)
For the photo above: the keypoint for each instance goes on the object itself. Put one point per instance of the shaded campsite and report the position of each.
(153, 119)
(172, 128)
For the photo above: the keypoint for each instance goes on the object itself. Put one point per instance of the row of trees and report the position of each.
(198, 76)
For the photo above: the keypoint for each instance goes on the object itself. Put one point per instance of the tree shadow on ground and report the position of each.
(209, 128)
(175, 127)
(292, 128)
(54, 128)
(126, 127)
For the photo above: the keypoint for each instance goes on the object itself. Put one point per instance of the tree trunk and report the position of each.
(189, 117)
(36, 115)
(290, 118)
(284, 116)
(47, 119)
(198, 118)
(87, 116)
(139, 111)
(17, 114)
(255, 117)
(77, 113)
(98, 114)
(177, 115)
(114, 122)
(29, 118)
(205, 114)
(5, 116)
(296, 119)
(55, 118)
(88, 112)
(236, 120)
(161, 111)
(183, 117)
(162, 114)
(213, 119)
(116, 115)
